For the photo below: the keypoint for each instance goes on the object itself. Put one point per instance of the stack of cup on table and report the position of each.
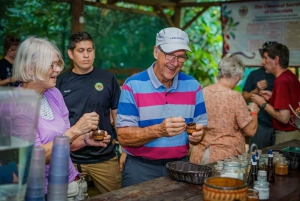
(59, 169)
(36, 180)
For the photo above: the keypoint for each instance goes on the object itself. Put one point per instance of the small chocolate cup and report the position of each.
(190, 128)
(98, 134)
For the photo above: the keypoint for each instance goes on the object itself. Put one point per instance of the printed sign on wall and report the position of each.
(247, 25)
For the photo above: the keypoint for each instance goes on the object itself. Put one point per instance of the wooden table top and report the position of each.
(285, 188)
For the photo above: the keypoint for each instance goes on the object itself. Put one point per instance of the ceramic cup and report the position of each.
(98, 134)
(190, 128)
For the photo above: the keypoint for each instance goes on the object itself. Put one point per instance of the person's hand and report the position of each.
(87, 123)
(253, 107)
(197, 136)
(259, 100)
(261, 85)
(266, 94)
(122, 160)
(172, 126)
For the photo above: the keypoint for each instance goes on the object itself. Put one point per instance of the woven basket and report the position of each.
(188, 172)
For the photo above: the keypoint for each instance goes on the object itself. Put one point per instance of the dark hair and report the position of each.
(280, 50)
(78, 37)
(10, 41)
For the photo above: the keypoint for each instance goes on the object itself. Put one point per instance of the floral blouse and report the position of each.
(227, 114)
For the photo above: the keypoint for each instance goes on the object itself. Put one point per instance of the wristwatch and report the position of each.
(263, 105)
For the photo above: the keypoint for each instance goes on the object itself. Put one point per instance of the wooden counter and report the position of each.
(285, 188)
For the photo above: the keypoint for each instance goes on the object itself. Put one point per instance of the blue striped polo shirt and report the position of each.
(145, 101)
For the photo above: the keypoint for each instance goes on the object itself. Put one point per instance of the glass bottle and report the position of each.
(252, 176)
(281, 167)
(232, 169)
(257, 162)
(270, 168)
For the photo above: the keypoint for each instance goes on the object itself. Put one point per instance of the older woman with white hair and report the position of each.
(37, 65)
(229, 118)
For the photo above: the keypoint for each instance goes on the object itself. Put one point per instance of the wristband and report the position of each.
(253, 113)
(85, 141)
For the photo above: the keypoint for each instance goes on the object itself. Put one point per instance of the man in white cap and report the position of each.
(154, 108)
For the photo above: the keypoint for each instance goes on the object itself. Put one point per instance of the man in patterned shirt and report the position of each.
(153, 110)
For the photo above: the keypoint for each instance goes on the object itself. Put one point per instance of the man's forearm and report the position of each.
(281, 115)
(136, 136)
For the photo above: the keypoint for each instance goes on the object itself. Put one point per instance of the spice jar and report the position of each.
(281, 167)
(252, 195)
(232, 169)
(263, 189)
(216, 171)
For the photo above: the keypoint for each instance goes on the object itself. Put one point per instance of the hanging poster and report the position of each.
(247, 25)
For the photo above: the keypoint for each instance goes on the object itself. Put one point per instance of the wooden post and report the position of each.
(177, 16)
(77, 12)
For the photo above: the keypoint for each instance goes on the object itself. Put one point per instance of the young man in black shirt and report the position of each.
(86, 88)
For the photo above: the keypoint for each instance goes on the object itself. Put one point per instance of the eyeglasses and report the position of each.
(268, 44)
(56, 64)
(171, 57)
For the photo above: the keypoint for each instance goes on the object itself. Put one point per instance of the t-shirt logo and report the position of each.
(99, 86)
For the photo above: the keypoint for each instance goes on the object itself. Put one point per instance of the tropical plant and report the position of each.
(122, 40)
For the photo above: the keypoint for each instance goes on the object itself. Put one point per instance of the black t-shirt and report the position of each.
(255, 76)
(97, 91)
(6, 71)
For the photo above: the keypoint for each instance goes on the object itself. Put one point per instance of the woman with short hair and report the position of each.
(37, 65)
(229, 118)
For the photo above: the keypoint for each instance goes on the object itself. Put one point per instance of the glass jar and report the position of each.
(216, 171)
(262, 164)
(252, 195)
(244, 169)
(263, 189)
(262, 176)
(233, 170)
(281, 167)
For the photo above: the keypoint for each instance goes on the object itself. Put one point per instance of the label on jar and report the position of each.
(263, 192)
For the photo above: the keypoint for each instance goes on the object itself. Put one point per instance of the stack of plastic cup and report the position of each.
(59, 169)
(36, 180)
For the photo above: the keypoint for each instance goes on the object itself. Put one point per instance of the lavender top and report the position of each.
(48, 129)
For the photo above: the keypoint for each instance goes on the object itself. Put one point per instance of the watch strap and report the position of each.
(263, 105)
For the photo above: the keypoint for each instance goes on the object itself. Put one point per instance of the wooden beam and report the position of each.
(163, 15)
(194, 18)
(209, 4)
(77, 13)
(151, 3)
(113, 7)
(68, 1)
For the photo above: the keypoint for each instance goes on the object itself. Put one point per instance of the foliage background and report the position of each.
(122, 40)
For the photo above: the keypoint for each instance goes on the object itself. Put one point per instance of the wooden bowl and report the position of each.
(98, 134)
(224, 189)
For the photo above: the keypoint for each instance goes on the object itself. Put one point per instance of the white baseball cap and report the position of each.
(172, 39)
